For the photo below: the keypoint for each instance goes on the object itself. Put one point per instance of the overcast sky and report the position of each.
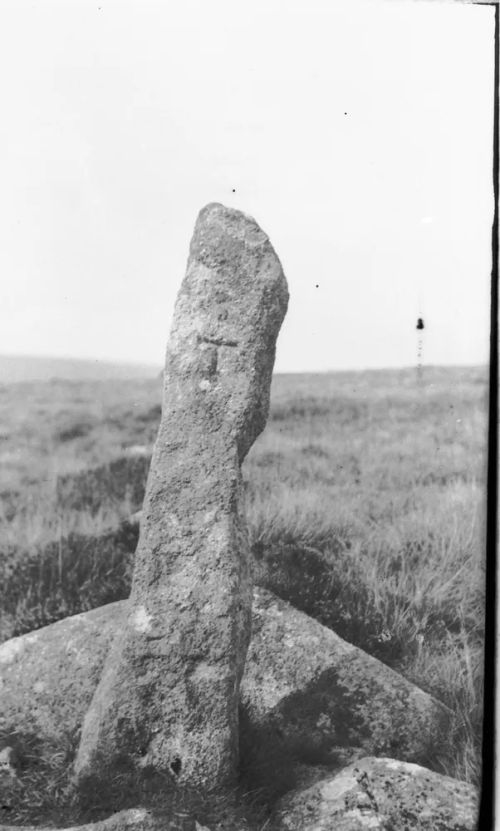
(358, 134)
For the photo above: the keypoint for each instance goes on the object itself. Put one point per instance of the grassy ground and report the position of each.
(365, 500)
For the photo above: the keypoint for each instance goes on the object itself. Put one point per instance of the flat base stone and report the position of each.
(304, 689)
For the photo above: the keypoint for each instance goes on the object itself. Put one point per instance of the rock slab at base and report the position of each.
(303, 686)
(383, 795)
(320, 693)
(135, 819)
(168, 697)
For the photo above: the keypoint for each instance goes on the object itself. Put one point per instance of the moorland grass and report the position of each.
(366, 507)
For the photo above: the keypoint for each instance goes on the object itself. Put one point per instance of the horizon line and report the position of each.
(123, 363)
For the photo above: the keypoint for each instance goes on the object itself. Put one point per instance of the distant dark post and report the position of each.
(420, 345)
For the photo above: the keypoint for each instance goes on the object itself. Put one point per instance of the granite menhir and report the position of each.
(168, 697)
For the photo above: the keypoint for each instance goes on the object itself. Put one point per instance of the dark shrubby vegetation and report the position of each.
(73, 575)
(121, 480)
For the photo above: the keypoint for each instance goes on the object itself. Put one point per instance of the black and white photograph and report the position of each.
(248, 258)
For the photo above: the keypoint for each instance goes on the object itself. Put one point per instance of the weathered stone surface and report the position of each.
(303, 687)
(48, 677)
(382, 794)
(135, 819)
(168, 696)
(309, 685)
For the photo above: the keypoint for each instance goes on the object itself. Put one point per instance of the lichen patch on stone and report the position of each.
(11, 649)
(141, 620)
(335, 788)
(407, 767)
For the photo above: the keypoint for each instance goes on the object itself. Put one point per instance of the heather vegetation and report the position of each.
(365, 499)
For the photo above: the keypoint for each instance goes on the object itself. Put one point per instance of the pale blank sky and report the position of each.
(358, 134)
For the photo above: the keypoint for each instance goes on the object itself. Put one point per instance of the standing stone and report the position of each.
(168, 697)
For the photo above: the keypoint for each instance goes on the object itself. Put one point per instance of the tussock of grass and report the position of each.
(44, 794)
(65, 577)
(453, 670)
(41, 793)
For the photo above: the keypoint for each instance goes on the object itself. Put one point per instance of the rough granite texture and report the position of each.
(320, 693)
(383, 795)
(168, 696)
(303, 686)
(136, 819)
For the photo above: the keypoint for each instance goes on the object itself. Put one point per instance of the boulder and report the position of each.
(167, 700)
(304, 688)
(134, 819)
(48, 677)
(315, 692)
(382, 794)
